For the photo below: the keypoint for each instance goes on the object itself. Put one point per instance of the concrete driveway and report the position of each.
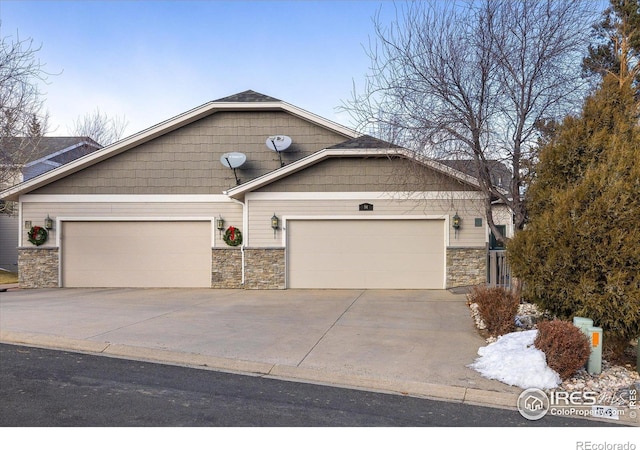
(412, 342)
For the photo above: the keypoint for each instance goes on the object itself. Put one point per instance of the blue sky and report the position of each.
(150, 60)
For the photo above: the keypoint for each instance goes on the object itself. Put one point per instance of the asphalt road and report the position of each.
(46, 388)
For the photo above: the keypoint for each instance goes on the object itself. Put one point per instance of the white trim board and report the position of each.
(426, 195)
(125, 198)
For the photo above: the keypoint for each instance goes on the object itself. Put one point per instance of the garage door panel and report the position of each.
(136, 254)
(393, 254)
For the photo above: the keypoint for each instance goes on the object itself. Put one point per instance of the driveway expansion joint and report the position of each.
(331, 327)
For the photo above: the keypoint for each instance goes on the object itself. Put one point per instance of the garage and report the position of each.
(366, 254)
(136, 254)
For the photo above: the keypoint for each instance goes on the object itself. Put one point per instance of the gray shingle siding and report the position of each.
(187, 160)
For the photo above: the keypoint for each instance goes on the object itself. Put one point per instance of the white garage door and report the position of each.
(136, 254)
(366, 254)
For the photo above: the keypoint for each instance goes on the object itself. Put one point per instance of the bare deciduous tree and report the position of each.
(22, 112)
(471, 80)
(23, 119)
(101, 128)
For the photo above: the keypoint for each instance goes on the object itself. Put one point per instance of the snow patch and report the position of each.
(514, 360)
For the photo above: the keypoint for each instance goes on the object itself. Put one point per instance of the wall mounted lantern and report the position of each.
(48, 223)
(456, 221)
(275, 223)
(220, 224)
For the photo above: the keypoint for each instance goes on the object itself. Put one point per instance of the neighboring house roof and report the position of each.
(81, 147)
(44, 146)
(500, 173)
(41, 154)
(244, 101)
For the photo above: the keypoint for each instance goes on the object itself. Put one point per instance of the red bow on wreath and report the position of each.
(37, 235)
(232, 237)
(232, 233)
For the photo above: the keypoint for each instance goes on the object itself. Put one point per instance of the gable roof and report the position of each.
(351, 148)
(357, 145)
(244, 101)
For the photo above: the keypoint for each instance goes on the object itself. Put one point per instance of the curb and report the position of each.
(471, 396)
(276, 371)
(5, 287)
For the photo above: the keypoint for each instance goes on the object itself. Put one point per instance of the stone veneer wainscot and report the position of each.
(38, 267)
(466, 266)
(226, 268)
(264, 268)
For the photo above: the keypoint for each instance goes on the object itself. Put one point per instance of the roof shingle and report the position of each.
(248, 96)
(364, 141)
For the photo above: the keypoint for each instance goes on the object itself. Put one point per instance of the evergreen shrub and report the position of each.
(579, 254)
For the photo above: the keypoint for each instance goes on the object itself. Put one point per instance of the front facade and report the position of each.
(334, 210)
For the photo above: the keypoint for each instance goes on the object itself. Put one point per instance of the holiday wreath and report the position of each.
(232, 237)
(38, 235)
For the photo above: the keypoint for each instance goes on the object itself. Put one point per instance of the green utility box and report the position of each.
(583, 323)
(594, 334)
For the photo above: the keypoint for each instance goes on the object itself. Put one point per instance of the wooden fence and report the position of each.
(499, 272)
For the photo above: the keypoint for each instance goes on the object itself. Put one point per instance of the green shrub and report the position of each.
(497, 307)
(566, 347)
(579, 253)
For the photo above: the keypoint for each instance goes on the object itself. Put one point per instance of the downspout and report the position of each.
(245, 227)
(20, 223)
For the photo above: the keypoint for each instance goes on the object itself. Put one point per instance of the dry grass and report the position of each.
(8, 277)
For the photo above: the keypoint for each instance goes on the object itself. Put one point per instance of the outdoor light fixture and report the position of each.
(220, 224)
(456, 221)
(48, 223)
(275, 223)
